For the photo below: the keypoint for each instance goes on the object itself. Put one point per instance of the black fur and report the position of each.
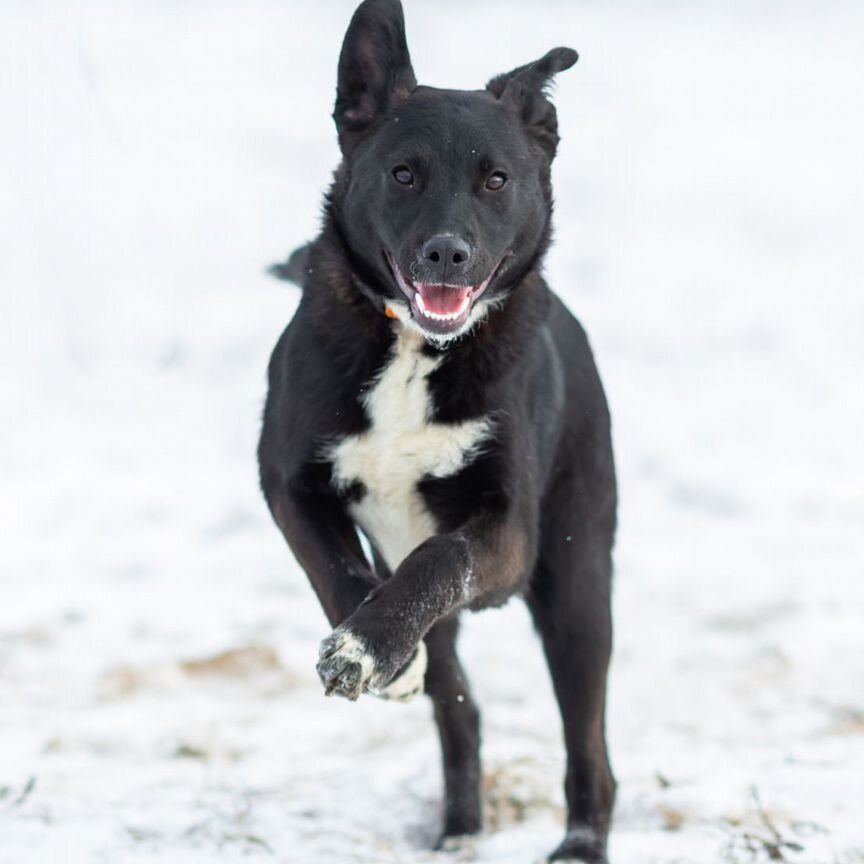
(534, 512)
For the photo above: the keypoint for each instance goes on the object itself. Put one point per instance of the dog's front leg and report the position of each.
(324, 541)
(478, 565)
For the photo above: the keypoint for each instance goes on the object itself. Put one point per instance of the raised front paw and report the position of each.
(346, 666)
(349, 666)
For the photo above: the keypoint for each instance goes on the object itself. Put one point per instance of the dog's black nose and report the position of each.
(448, 252)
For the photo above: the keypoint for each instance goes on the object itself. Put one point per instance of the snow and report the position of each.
(158, 695)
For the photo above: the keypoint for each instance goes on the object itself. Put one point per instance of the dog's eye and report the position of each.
(402, 174)
(496, 181)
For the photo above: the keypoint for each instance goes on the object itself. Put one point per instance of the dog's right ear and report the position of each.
(374, 67)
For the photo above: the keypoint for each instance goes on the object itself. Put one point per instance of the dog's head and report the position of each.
(443, 196)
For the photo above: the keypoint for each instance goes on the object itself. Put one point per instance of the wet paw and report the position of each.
(345, 665)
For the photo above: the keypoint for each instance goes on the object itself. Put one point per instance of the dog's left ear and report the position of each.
(374, 67)
(526, 88)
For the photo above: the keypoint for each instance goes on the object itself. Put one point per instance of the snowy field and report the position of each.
(158, 697)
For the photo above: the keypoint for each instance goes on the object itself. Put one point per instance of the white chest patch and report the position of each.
(400, 448)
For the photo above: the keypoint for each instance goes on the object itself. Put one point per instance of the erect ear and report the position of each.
(374, 67)
(525, 89)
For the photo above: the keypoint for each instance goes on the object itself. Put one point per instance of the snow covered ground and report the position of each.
(158, 698)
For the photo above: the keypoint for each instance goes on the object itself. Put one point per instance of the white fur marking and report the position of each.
(401, 447)
(353, 649)
(410, 683)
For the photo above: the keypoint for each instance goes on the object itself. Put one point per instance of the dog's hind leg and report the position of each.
(569, 600)
(459, 728)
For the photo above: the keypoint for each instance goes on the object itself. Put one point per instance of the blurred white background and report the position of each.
(158, 698)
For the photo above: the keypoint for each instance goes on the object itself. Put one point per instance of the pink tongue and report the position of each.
(442, 299)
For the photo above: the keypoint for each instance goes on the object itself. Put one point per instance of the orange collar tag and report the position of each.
(389, 312)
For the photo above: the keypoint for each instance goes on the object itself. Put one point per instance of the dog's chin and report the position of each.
(440, 311)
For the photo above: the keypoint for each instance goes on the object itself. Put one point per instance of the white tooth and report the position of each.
(438, 316)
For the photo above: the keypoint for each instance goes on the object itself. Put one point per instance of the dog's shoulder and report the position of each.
(317, 373)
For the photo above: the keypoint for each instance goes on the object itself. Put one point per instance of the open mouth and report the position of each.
(439, 307)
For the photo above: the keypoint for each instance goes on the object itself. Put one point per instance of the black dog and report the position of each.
(433, 395)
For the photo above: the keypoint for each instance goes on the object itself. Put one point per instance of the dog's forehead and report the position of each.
(467, 122)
